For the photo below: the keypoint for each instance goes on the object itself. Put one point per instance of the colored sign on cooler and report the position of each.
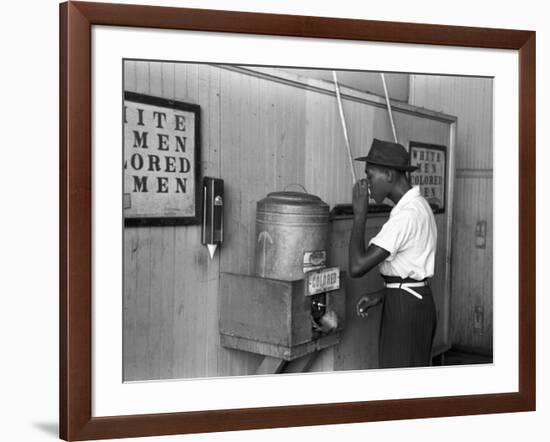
(324, 280)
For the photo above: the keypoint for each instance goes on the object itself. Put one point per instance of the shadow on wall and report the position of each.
(51, 428)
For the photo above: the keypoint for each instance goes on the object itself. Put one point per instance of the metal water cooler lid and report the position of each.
(293, 202)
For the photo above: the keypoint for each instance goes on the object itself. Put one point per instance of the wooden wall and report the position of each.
(251, 130)
(471, 100)
(260, 134)
(397, 84)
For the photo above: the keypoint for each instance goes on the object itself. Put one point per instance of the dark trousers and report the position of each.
(407, 328)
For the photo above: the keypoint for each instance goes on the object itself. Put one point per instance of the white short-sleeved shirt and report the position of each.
(410, 237)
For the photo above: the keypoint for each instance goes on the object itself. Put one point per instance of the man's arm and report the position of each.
(360, 259)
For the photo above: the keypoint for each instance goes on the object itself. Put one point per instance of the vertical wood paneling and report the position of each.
(209, 93)
(231, 165)
(137, 281)
(192, 262)
(168, 84)
(256, 162)
(159, 351)
(471, 100)
(166, 308)
(180, 81)
(155, 79)
(232, 362)
(249, 140)
(130, 305)
(142, 78)
(162, 275)
(472, 273)
(327, 163)
(137, 277)
(313, 124)
(129, 75)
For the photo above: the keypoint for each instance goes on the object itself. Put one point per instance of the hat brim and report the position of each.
(393, 166)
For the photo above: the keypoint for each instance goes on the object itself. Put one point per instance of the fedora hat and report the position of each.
(388, 154)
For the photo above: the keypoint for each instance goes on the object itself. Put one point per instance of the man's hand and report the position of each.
(366, 302)
(360, 198)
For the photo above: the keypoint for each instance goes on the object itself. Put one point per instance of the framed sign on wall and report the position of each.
(431, 175)
(161, 161)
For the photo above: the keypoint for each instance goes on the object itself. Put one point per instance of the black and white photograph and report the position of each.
(284, 220)
(243, 221)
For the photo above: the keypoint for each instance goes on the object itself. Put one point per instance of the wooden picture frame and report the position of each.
(76, 420)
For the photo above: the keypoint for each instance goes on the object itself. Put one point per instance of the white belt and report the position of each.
(407, 287)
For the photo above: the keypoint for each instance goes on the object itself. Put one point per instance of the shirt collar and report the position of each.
(410, 195)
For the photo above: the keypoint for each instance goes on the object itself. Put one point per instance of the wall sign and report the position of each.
(431, 175)
(161, 161)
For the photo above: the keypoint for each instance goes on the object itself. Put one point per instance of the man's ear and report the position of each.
(390, 175)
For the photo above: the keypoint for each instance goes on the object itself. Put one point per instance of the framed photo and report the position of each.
(116, 58)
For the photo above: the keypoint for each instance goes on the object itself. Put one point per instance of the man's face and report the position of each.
(379, 182)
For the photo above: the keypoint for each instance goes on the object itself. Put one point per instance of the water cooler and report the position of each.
(293, 306)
